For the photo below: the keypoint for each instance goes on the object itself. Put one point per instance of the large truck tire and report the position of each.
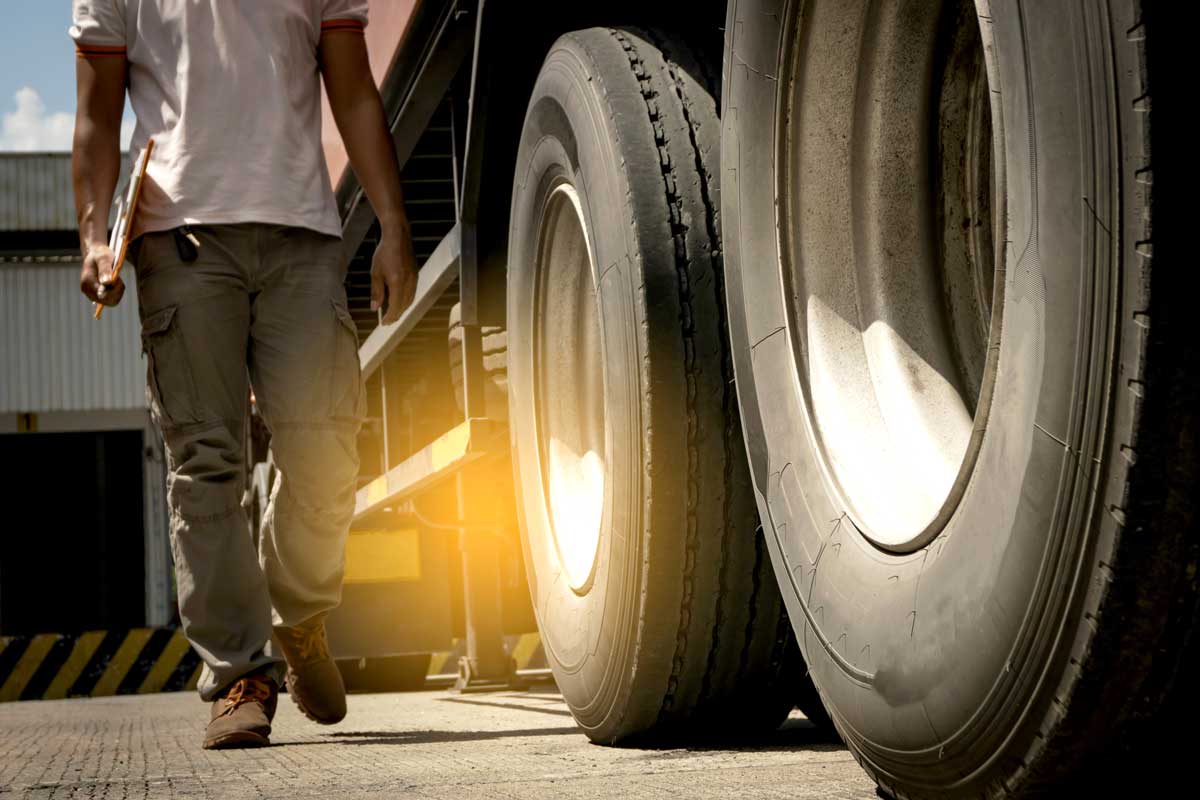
(964, 338)
(652, 588)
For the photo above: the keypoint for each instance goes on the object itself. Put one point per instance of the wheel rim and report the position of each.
(570, 385)
(894, 318)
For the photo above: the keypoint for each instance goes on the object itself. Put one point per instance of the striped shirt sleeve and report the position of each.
(98, 28)
(343, 15)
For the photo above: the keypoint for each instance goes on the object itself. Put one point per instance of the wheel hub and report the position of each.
(570, 385)
(887, 159)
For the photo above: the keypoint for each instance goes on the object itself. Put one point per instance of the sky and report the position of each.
(37, 77)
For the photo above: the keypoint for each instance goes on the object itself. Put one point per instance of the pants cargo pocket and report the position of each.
(347, 400)
(168, 370)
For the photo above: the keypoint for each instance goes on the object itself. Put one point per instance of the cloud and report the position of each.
(32, 127)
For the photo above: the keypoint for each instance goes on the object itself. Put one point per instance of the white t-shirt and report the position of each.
(230, 92)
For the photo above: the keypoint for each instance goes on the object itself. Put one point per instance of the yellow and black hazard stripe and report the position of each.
(96, 663)
(146, 660)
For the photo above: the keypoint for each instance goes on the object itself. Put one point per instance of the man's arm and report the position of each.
(95, 168)
(358, 112)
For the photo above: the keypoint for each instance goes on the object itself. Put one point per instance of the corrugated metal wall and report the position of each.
(36, 193)
(54, 356)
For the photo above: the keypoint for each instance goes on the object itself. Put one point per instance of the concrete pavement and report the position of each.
(434, 744)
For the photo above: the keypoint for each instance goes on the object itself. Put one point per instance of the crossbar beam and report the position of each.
(441, 458)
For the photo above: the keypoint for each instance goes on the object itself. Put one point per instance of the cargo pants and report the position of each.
(259, 306)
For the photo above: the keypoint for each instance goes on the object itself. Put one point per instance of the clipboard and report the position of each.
(118, 242)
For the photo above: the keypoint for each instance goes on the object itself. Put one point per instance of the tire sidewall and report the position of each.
(927, 660)
(585, 632)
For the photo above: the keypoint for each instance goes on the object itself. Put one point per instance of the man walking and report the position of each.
(239, 270)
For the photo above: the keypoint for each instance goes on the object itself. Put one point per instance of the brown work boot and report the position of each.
(313, 679)
(241, 716)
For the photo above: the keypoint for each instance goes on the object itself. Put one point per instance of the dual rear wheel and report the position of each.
(968, 399)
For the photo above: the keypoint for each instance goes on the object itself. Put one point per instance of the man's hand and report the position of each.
(96, 278)
(394, 267)
(96, 162)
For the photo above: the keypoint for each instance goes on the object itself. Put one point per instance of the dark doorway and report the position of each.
(71, 534)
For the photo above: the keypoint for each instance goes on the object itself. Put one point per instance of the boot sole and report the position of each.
(299, 705)
(236, 740)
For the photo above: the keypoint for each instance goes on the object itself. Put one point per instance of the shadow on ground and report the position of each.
(429, 737)
(794, 734)
(558, 712)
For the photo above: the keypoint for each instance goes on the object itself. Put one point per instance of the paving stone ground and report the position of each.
(518, 745)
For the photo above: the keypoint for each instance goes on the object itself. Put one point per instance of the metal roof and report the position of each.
(54, 356)
(36, 192)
